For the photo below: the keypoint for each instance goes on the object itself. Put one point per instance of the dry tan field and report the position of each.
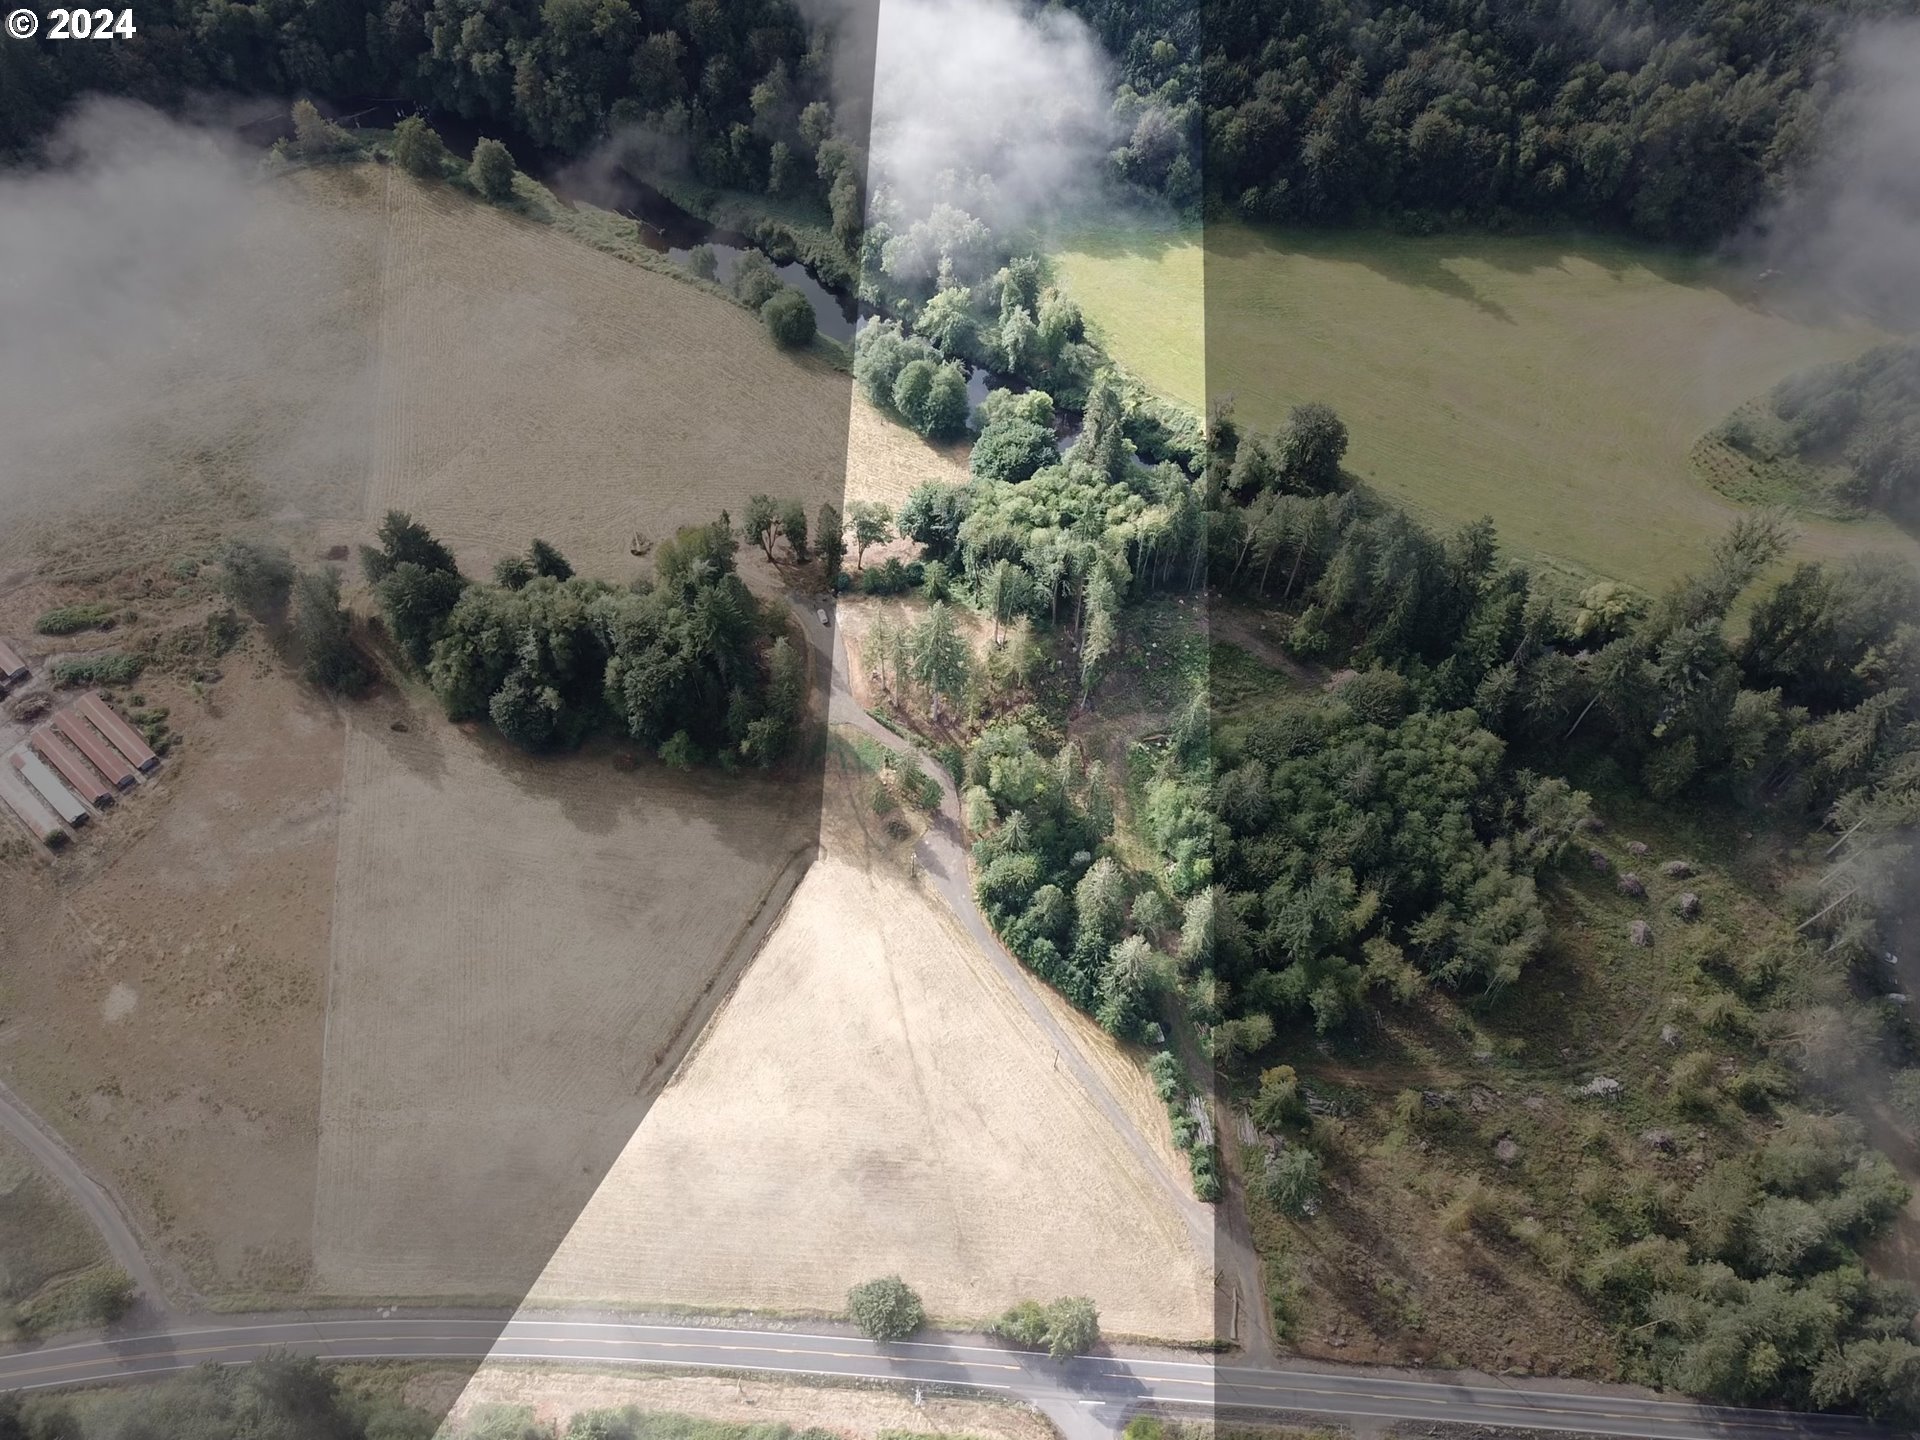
(872, 1098)
(170, 1020)
(856, 1414)
(529, 385)
(235, 388)
(166, 978)
(885, 460)
(520, 950)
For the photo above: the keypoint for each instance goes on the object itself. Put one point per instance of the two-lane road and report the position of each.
(1097, 1391)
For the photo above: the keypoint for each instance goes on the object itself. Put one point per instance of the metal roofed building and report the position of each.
(123, 736)
(84, 780)
(99, 754)
(50, 787)
(31, 810)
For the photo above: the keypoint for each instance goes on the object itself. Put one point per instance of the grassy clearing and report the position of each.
(1144, 289)
(1558, 385)
(52, 1264)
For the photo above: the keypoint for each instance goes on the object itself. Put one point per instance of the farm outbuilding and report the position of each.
(12, 667)
(30, 809)
(85, 781)
(49, 787)
(125, 738)
(99, 754)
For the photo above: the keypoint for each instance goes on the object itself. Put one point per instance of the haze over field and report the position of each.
(181, 313)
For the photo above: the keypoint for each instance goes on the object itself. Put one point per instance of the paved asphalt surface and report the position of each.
(1086, 1395)
(97, 1203)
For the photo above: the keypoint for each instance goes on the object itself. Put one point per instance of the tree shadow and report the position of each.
(1415, 263)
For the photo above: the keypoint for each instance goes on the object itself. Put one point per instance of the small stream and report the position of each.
(663, 226)
(676, 233)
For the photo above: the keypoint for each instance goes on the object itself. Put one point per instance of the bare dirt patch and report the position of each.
(520, 949)
(872, 1098)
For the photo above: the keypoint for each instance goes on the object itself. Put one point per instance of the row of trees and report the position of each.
(687, 662)
(889, 1309)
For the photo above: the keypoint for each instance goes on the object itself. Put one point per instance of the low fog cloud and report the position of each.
(1852, 227)
(989, 105)
(159, 301)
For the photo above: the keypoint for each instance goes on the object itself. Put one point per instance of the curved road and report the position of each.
(943, 859)
(98, 1203)
(1084, 1395)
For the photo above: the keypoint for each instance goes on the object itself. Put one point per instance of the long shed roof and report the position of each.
(12, 667)
(75, 771)
(32, 811)
(125, 738)
(97, 751)
(49, 787)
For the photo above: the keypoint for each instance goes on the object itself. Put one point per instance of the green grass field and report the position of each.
(1557, 385)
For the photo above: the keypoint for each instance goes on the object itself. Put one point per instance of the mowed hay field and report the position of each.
(531, 385)
(1144, 288)
(873, 1098)
(886, 460)
(521, 950)
(1556, 385)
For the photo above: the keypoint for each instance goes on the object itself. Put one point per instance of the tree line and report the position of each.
(1394, 832)
(743, 90)
(1674, 121)
(685, 661)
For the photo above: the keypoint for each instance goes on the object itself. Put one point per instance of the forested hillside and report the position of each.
(729, 80)
(1673, 121)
